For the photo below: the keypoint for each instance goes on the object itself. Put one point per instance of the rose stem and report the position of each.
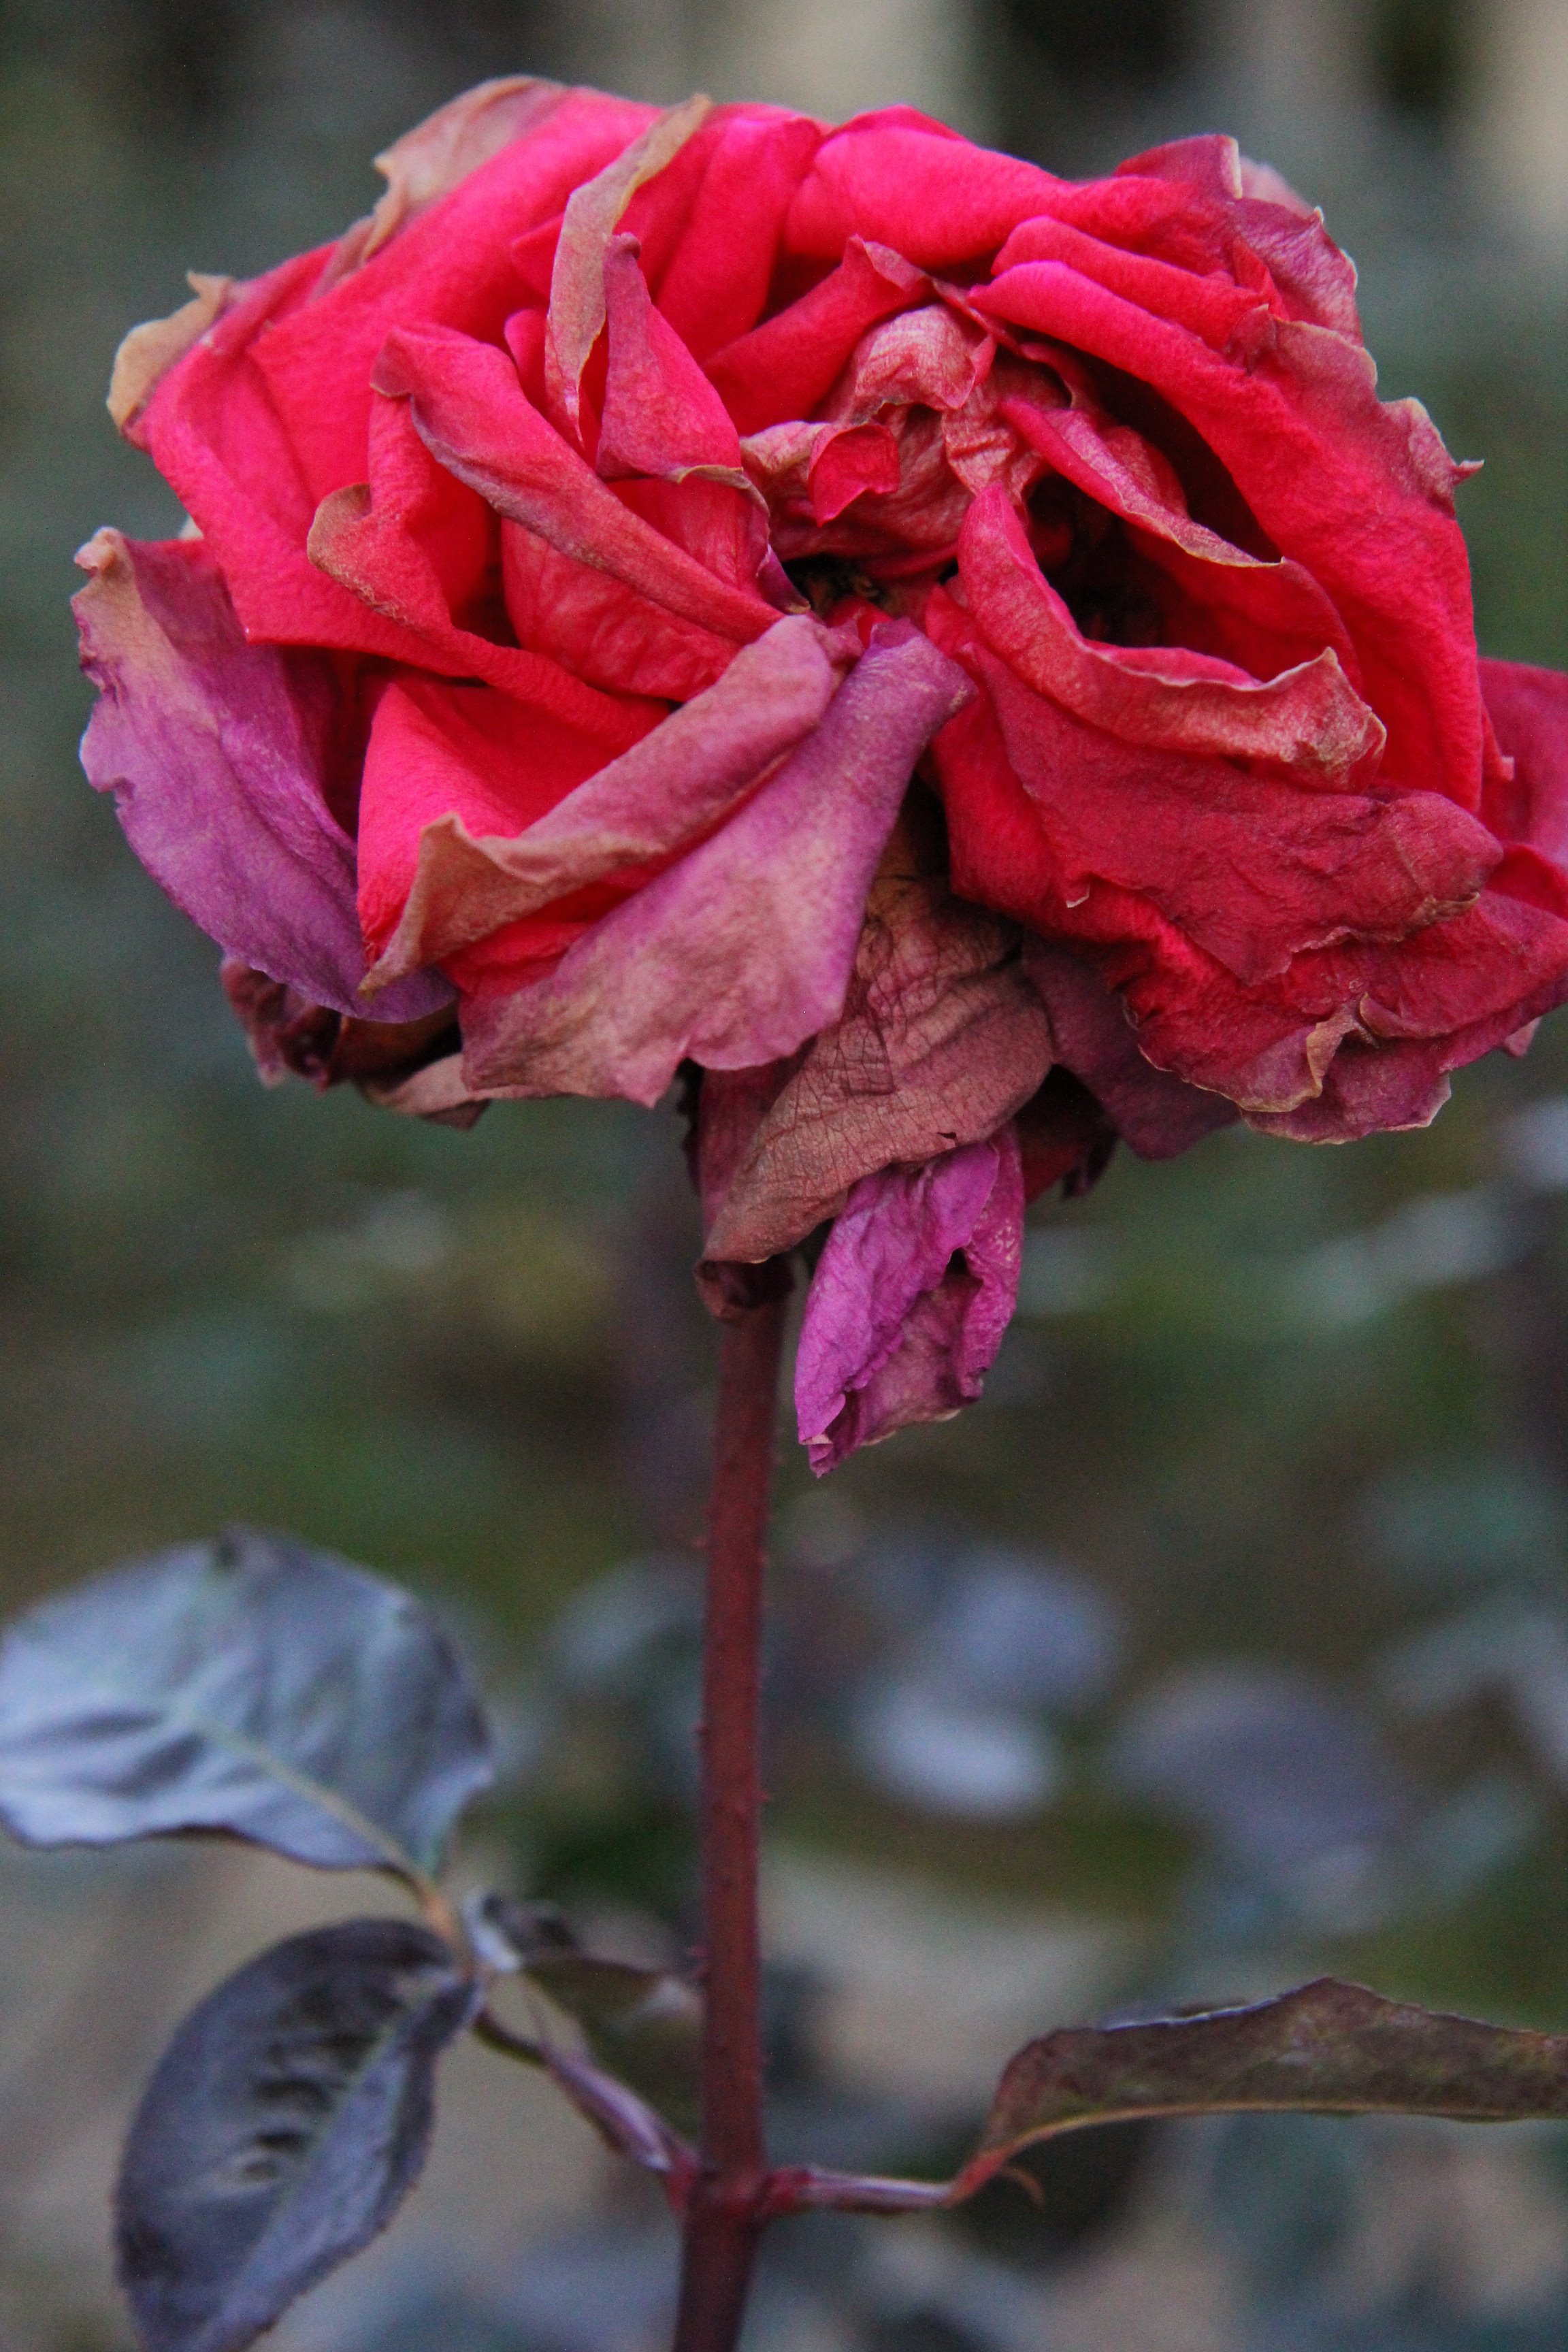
(723, 2224)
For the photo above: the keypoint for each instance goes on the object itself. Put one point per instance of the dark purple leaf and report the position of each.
(250, 1685)
(284, 2125)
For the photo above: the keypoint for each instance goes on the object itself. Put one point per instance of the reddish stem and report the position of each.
(725, 2218)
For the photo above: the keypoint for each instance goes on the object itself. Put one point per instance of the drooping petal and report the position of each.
(679, 781)
(287, 1033)
(1252, 867)
(744, 949)
(1473, 977)
(910, 1298)
(1153, 1111)
(216, 752)
(940, 1040)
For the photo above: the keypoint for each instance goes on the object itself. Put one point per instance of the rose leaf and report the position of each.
(284, 2127)
(1326, 2048)
(250, 1685)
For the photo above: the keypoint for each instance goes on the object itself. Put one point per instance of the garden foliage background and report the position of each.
(1226, 1641)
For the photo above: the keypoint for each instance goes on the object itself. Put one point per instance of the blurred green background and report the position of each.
(1277, 1450)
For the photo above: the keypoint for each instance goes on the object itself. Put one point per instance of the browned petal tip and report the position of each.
(150, 349)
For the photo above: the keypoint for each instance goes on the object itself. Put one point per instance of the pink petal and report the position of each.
(463, 758)
(662, 420)
(417, 547)
(679, 781)
(1266, 616)
(269, 411)
(716, 286)
(438, 155)
(449, 267)
(1213, 307)
(216, 752)
(910, 1298)
(600, 629)
(660, 415)
(744, 949)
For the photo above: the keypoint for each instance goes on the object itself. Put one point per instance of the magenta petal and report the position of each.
(910, 1298)
(744, 949)
(215, 751)
(679, 781)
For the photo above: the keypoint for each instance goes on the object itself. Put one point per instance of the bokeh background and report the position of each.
(1226, 1641)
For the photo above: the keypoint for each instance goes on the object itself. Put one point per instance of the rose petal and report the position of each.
(148, 352)
(1212, 306)
(785, 367)
(269, 411)
(1254, 869)
(744, 949)
(593, 213)
(440, 153)
(600, 629)
(1529, 707)
(1267, 615)
(1310, 721)
(417, 546)
(472, 414)
(1268, 1046)
(446, 755)
(941, 1039)
(1153, 1112)
(910, 1298)
(715, 285)
(287, 1033)
(1360, 493)
(215, 752)
(675, 786)
(921, 189)
(660, 415)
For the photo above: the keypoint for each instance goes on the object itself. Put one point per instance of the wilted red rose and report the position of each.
(961, 660)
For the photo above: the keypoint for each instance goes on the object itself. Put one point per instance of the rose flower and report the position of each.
(958, 663)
